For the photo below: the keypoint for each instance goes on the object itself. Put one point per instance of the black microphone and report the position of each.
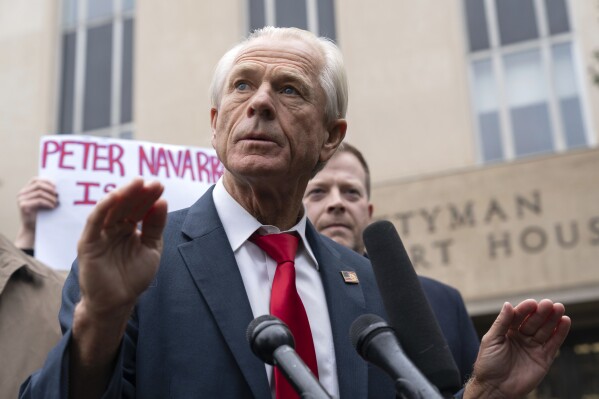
(376, 343)
(272, 341)
(410, 315)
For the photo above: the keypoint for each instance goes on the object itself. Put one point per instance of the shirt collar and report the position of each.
(239, 224)
(15, 262)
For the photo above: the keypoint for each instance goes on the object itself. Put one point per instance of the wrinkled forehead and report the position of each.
(291, 53)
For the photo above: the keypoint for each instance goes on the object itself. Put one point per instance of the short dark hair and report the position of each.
(347, 147)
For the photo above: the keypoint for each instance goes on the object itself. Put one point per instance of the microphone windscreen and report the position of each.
(251, 330)
(408, 310)
(362, 327)
(266, 334)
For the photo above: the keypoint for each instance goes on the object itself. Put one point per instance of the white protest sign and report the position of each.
(85, 168)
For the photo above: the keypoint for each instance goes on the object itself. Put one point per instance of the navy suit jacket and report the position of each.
(186, 337)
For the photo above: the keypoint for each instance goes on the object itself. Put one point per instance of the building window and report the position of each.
(96, 81)
(526, 90)
(317, 16)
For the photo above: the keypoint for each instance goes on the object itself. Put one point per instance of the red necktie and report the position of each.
(286, 304)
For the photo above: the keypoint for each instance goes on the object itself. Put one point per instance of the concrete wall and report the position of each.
(28, 56)
(528, 228)
(409, 91)
(585, 17)
(409, 103)
(176, 51)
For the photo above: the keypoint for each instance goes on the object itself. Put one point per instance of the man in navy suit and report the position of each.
(337, 202)
(161, 311)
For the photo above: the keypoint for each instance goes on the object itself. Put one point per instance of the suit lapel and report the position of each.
(345, 303)
(212, 265)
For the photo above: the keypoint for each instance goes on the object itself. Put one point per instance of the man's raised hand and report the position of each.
(517, 351)
(117, 261)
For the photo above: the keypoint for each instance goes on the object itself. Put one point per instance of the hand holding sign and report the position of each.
(38, 194)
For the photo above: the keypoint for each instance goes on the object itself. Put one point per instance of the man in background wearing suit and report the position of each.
(162, 311)
(338, 204)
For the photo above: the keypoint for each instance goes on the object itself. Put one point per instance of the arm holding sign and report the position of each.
(117, 262)
(38, 194)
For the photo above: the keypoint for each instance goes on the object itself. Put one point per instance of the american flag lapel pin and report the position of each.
(350, 277)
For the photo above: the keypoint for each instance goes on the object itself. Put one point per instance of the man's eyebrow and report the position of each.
(242, 70)
(301, 81)
(290, 74)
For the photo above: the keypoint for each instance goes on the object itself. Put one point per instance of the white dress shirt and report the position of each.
(258, 269)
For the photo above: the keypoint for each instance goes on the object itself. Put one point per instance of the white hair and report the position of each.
(332, 77)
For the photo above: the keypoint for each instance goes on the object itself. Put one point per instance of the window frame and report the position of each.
(496, 54)
(80, 27)
(312, 16)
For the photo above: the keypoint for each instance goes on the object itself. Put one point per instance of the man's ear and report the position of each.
(213, 119)
(336, 134)
(370, 210)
